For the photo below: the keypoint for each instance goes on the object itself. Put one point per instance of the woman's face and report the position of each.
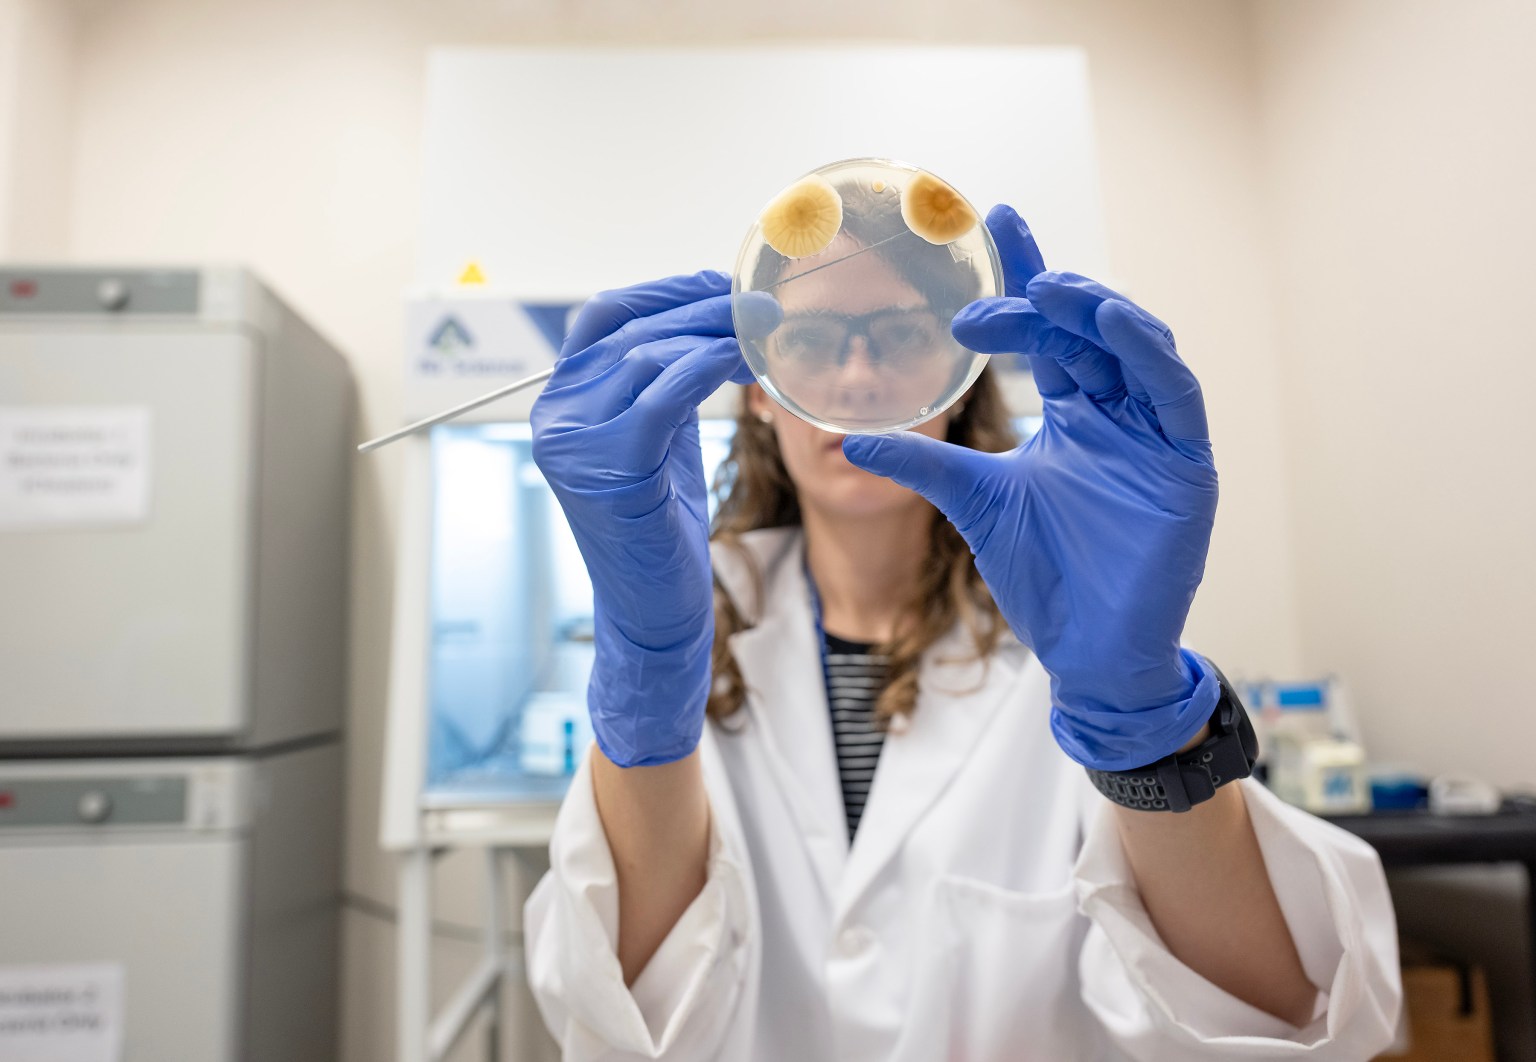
(824, 479)
(858, 344)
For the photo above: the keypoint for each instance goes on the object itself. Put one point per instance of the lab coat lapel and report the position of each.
(957, 696)
(780, 663)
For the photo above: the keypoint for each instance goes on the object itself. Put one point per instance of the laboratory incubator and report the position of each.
(174, 521)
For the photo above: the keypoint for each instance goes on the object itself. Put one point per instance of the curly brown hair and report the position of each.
(754, 491)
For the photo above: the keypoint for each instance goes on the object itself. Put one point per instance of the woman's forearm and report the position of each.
(1203, 881)
(657, 822)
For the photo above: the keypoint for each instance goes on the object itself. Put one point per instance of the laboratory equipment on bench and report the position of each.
(174, 485)
(1451, 794)
(1311, 747)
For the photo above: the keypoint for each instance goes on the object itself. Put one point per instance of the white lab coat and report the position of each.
(985, 910)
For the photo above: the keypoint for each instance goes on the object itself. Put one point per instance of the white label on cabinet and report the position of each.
(61, 1013)
(74, 466)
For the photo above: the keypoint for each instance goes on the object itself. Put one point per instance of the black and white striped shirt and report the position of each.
(855, 677)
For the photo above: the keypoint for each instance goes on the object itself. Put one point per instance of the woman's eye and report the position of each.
(908, 336)
(797, 340)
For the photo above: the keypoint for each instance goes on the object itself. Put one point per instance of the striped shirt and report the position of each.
(855, 677)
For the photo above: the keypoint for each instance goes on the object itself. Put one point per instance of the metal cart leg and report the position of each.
(414, 951)
(495, 947)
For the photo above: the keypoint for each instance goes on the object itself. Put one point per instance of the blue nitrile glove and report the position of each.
(1092, 535)
(616, 434)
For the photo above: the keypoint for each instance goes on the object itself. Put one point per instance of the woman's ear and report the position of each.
(758, 401)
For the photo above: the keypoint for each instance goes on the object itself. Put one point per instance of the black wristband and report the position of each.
(1180, 781)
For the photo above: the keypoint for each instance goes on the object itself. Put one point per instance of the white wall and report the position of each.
(1401, 147)
(285, 134)
(494, 145)
(37, 79)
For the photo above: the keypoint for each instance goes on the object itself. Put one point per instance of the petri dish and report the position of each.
(845, 289)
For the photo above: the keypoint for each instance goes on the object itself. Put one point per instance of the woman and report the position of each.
(748, 888)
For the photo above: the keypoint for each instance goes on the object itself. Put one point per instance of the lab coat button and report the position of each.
(853, 940)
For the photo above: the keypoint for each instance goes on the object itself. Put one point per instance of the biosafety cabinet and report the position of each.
(175, 450)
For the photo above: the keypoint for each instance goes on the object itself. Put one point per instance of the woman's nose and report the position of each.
(859, 367)
(856, 386)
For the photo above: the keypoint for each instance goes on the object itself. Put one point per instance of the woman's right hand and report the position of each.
(616, 434)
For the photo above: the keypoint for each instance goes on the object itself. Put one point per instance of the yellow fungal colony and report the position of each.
(803, 219)
(935, 211)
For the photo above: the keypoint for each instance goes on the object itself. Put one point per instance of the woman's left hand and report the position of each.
(1092, 536)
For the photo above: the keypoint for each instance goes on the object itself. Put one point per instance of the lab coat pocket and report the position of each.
(1009, 968)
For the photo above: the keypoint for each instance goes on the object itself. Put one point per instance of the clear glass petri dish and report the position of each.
(845, 289)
